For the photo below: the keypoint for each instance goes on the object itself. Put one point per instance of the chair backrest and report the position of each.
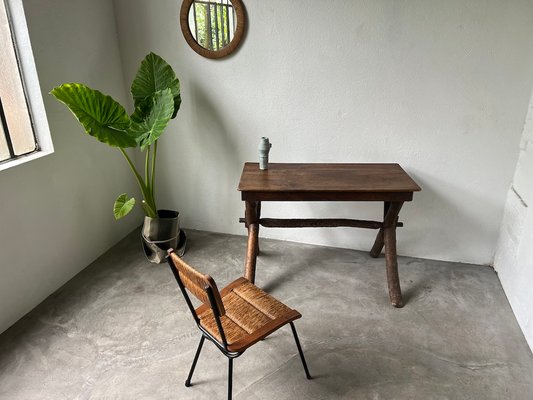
(203, 287)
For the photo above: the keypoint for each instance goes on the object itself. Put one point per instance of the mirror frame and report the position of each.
(189, 38)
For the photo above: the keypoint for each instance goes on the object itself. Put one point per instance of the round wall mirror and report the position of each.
(213, 28)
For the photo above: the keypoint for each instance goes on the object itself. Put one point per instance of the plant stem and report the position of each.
(152, 183)
(147, 169)
(148, 205)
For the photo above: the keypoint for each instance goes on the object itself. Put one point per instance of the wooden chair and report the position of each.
(235, 318)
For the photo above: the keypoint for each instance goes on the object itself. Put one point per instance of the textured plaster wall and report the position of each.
(56, 212)
(514, 255)
(441, 87)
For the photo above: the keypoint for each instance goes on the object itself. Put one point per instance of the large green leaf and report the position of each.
(147, 127)
(101, 116)
(123, 206)
(154, 74)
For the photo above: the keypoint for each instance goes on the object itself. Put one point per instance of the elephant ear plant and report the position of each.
(156, 97)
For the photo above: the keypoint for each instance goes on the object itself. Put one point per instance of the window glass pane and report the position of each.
(4, 151)
(12, 92)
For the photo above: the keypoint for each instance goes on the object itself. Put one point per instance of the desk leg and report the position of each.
(252, 223)
(258, 212)
(391, 259)
(378, 245)
(380, 241)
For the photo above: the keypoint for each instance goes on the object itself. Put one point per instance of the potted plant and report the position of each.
(156, 97)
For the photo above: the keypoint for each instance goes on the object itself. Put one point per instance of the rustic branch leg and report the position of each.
(391, 260)
(251, 253)
(258, 225)
(252, 223)
(380, 242)
(393, 280)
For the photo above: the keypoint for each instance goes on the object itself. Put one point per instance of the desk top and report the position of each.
(326, 182)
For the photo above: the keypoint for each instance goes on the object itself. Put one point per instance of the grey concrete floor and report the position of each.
(120, 330)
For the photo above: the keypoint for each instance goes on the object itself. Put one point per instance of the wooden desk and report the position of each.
(388, 183)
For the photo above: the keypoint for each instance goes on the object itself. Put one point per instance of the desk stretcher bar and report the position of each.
(318, 223)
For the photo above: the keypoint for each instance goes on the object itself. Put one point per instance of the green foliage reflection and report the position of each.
(213, 23)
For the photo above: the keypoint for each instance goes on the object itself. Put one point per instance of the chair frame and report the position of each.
(223, 347)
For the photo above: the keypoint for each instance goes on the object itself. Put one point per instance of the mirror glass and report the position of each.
(212, 23)
(213, 28)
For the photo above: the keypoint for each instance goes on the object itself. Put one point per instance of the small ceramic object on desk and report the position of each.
(264, 148)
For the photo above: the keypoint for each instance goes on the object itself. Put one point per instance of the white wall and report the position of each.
(514, 255)
(441, 87)
(56, 212)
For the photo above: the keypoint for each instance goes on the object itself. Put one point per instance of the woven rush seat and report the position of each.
(251, 314)
(234, 318)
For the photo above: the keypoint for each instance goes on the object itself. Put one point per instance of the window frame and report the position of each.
(30, 83)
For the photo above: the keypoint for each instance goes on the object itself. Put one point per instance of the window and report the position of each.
(24, 132)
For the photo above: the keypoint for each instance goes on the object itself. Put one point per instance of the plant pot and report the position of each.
(162, 233)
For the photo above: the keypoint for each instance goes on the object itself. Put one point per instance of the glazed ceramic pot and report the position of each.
(162, 233)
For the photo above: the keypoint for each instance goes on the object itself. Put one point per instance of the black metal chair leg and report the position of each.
(230, 377)
(188, 381)
(300, 350)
